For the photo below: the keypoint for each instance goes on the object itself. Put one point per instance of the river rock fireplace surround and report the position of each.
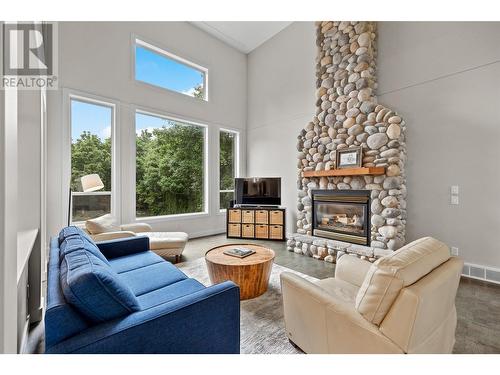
(348, 115)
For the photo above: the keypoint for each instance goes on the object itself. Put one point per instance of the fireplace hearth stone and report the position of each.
(331, 250)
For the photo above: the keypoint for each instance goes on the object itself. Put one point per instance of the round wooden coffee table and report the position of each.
(251, 274)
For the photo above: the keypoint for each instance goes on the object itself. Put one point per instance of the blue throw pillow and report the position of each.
(73, 238)
(94, 289)
(72, 231)
(80, 243)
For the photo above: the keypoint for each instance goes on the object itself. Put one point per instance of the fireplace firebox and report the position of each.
(342, 215)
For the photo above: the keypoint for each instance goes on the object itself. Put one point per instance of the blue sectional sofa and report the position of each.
(119, 297)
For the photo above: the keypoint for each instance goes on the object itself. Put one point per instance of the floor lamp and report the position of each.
(90, 182)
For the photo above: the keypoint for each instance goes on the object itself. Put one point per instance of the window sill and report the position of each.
(156, 219)
(164, 90)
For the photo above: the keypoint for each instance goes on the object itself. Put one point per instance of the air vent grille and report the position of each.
(475, 271)
(493, 275)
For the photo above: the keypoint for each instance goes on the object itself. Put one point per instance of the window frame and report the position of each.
(68, 96)
(154, 47)
(206, 186)
(236, 151)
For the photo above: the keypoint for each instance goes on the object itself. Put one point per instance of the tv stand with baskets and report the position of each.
(256, 222)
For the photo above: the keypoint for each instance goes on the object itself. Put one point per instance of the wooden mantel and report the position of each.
(346, 172)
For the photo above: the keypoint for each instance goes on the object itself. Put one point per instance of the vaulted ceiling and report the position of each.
(245, 36)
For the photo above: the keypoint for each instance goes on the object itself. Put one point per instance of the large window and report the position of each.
(228, 165)
(160, 68)
(170, 166)
(91, 126)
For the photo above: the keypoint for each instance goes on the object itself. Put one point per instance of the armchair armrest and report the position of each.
(137, 227)
(106, 236)
(304, 307)
(123, 246)
(352, 269)
(207, 321)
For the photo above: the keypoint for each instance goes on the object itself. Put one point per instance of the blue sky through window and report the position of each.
(159, 70)
(148, 122)
(150, 67)
(93, 118)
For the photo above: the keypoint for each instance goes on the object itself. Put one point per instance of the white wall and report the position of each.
(20, 201)
(444, 78)
(97, 58)
(281, 101)
(8, 220)
(29, 133)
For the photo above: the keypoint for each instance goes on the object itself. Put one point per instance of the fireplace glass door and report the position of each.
(342, 215)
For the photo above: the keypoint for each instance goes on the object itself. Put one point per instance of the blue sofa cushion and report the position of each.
(155, 276)
(123, 246)
(71, 231)
(134, 261)
(169, 293)
(74, 243)
(94, 289)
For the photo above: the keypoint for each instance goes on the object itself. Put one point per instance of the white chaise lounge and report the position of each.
(165, 244)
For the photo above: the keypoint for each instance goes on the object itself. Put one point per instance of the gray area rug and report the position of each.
(262, 325)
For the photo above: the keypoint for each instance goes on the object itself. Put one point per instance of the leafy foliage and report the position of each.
(169, 170)
(227, 172)
(90, 155)
(169, 167)
(227, 143)
(198, 92)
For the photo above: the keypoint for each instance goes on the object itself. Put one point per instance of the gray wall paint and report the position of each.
(281, 98)
(444, 79)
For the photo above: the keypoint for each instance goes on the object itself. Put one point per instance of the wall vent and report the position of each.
(493, 275)
(475, 271)
(478, 272)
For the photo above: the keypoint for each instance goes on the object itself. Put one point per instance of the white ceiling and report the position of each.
(245, 36)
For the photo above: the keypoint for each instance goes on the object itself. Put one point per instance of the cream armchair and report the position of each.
(165, 244)
(402, 303)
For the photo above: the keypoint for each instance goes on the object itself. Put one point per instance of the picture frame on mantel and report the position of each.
(349, 157)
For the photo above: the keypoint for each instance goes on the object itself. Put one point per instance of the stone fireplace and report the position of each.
(348, 115)
(342, 215)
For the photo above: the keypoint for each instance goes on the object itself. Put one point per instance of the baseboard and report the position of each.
(479, 272)
(205, 233)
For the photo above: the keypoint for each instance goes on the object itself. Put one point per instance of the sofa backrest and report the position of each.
(61, 319)
(388, 275)
(423, 317)
(87, 280)
(73, 238)
(82, 289)
(94, 288)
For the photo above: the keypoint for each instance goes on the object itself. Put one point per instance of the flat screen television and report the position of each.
(258, 191)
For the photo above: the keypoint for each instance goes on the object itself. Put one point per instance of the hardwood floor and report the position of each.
(478, 303)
